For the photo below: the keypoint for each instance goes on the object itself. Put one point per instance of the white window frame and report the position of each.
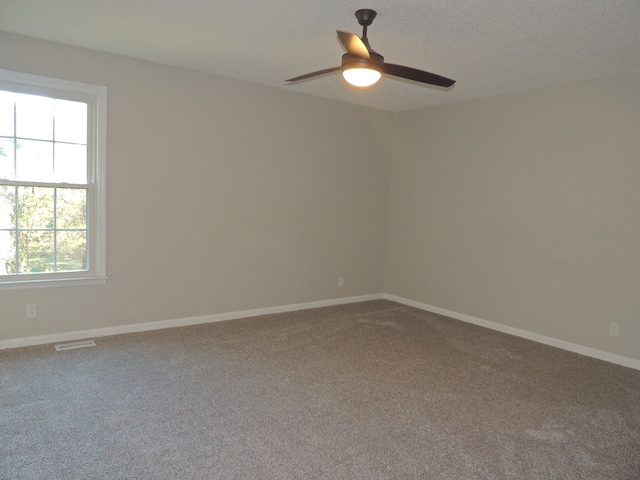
(96, 98)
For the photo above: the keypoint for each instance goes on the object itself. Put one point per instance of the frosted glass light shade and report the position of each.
(361, 77)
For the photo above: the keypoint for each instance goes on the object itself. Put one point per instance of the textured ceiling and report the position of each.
(490, 48)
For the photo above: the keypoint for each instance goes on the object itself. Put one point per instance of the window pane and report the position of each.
(7, 253)
(7, 170)
(35, 207)
(71, 208)
(71, 121)
(7, 207)
(34, 161)
(70, 163)
(72, 251)
(36, 252)
(6, 114)
(34, 117)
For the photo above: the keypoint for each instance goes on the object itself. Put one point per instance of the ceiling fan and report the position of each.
(363, 67)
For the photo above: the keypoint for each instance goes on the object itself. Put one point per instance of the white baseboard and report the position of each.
(554, 342)
(219, 317)
(180, 322)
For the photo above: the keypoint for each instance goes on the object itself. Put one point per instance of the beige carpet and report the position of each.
(374, 390)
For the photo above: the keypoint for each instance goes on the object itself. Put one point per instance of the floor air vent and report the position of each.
(72, 345)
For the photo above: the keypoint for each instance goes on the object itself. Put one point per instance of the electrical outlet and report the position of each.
(340, 281)
(32, 310)
(614, 329)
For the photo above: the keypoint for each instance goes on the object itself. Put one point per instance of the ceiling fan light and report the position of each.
(361, 77)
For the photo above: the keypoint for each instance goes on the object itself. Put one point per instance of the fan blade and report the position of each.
(417, 75)
(353, 44)
(313, 74)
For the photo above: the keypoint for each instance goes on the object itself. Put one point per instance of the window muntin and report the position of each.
(52, 185)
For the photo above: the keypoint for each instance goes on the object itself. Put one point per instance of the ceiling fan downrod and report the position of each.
(365, 18)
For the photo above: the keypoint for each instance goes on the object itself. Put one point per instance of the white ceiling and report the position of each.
(490, 48)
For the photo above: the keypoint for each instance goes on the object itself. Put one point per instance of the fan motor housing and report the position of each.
(351, 61)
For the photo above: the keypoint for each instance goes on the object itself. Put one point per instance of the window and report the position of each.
(52, 182)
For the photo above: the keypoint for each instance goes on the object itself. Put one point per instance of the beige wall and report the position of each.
(225, 196)
(524, 210)
(222, 196)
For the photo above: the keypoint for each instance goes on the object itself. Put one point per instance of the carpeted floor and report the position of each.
(373, 390)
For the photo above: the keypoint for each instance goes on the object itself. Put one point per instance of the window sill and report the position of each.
(53, 282)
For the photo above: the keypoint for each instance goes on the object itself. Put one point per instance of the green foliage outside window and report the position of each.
(48, 229)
